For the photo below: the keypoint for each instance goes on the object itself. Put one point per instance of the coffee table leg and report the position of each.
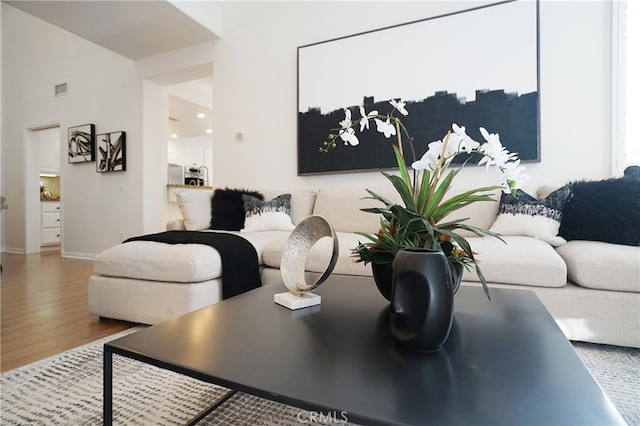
(107, 388)
(204, 413)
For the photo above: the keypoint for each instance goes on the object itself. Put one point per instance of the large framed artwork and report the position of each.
(81, 143)
(475, 67)
(111, 152)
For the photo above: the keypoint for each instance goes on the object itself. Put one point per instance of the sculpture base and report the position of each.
(293, 302)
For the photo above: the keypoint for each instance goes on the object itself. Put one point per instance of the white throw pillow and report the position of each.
(195, 207)
(270, 215)
(524, 215)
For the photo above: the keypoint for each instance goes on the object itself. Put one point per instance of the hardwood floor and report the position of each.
(43, 308)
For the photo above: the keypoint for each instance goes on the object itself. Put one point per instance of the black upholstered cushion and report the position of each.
(606, 210)
(227, 208)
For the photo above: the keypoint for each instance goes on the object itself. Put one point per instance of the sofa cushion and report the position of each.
(154, 261)
(602, 266)
(320, 254)
(341, 207)
(195, 207)
(148, 260)
(272, 215)
(481, 214)
(521, 261)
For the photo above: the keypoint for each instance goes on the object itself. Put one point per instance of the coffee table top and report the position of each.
(505, 362)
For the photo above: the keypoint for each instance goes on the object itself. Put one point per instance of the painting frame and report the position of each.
(449, 85)
(81, 143)
(111, 152)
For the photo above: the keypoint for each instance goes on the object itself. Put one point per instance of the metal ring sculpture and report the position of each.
(296, 250)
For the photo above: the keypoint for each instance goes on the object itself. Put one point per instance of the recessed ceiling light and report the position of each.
(200, 115)
(174, 136)
(209, 131)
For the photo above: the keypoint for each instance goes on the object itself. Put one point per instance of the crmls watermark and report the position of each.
(331, 417)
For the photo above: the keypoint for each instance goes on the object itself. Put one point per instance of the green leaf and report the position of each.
(405, 192)
(423, 193)
(404, 173)
(438, 193)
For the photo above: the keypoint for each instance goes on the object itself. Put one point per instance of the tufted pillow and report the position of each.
(267, 215)
(525, 215)
(227, 208)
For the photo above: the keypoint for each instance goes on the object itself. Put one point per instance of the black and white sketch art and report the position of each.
(81, 143)
(111, 149)
(474, 67)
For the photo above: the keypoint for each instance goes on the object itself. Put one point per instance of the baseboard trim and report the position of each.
(75, 255)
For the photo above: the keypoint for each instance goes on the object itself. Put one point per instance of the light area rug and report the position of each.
(617, 370)
(67, 390)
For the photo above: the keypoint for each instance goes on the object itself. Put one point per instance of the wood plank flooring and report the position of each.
(43, 308)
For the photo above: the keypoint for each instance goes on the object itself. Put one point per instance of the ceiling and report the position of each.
(183, 120)
(134, 28)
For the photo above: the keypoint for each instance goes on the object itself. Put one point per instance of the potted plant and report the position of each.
(420, 221)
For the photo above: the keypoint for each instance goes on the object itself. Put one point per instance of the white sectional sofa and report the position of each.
(592, 289)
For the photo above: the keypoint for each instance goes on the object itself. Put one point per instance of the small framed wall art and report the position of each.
(81, 145)
(111, 150)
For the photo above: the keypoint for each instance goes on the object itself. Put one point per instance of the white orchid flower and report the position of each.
(465, 143)
(400, 106)
(349, 137)
(423, 163)
(346, 123)
(364, 122)
(512, 176)
(491, 138)
(432, 156)
(385, 127)
(453, 145)
(494, 153)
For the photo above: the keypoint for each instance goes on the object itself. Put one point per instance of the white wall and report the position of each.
(255, 86)
(103, 89)
(2, 193)
(108, 90)
(254, 82)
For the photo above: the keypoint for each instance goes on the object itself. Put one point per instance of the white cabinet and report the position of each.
(50, 222)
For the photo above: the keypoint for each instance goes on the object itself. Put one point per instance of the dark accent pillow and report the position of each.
(607, 210)
(227, 208)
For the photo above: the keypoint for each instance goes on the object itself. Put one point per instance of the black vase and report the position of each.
(421, 299)
(383, 277)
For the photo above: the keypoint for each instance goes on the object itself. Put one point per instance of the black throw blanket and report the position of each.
(240, 271)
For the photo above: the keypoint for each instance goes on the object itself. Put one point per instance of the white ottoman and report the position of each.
(148, 282)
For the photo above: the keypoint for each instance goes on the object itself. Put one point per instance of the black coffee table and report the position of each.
(505, 363)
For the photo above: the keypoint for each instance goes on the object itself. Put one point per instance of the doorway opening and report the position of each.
(42, 188)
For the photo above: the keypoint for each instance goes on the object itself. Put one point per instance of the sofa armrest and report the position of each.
(175, 225)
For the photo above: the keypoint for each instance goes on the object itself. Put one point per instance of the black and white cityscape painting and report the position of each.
(476, 68)
(81, 143)
(111, 149)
